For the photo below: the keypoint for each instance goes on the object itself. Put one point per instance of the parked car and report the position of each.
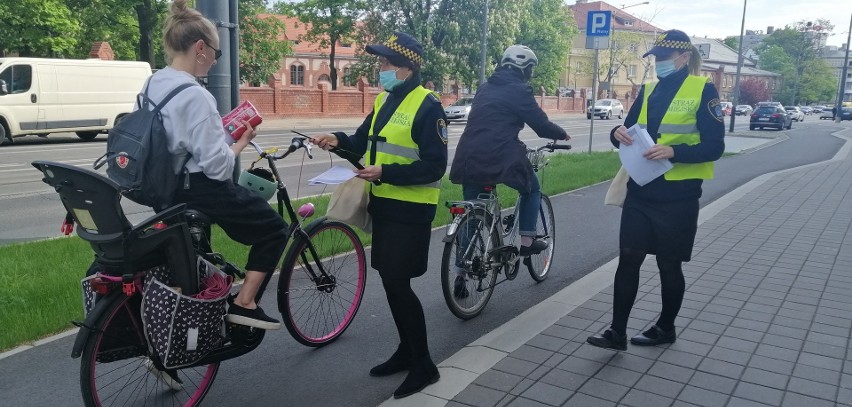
(743, 110)
(826, 115)
(727, 108)
(807, 110)
(795, 113)
(778, 104)
(846, 113)
(606, 108)
(770, 116)
(458, 111)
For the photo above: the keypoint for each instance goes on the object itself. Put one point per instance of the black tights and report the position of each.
(627, 285)
(408, 316)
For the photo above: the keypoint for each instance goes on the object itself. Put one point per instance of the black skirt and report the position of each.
(660, 228)
(400, 250)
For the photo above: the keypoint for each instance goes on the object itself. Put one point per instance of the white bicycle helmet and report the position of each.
(258, 180)
(519, 56)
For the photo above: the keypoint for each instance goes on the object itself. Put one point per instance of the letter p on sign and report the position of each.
(597, 23)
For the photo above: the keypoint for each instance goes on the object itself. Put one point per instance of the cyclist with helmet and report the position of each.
(490, 152)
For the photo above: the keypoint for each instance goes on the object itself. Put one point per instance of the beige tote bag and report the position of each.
(617, 189)
(348, 204)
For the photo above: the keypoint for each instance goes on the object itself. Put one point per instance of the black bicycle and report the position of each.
(321, 284)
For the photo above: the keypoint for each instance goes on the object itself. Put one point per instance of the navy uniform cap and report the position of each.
(668, 42)
(398, 45)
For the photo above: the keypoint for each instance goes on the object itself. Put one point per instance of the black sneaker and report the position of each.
(255, 318)
(536, 247)
(459, 288)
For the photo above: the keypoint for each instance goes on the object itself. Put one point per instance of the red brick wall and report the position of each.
(322, 102)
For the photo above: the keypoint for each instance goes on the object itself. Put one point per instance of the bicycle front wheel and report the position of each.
(545, 230)
(116, 369)
(322, 282)
(467, 275)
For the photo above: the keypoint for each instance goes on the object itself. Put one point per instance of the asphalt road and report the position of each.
(283, 373)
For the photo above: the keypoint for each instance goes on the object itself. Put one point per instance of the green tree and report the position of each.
(330, 22)
(818, 83)
(105, 20)
(261, 49)
(548, 29)
(801, 43)
(42, 28)
(732, 42)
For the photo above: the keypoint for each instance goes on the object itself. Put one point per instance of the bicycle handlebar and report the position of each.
(551, 146)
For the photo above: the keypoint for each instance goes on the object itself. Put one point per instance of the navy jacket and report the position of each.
(428, 131)
(489, 151)
(711, 128)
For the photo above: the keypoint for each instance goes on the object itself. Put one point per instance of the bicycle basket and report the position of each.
(536, 158)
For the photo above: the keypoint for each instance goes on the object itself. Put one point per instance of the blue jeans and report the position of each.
(529, 204)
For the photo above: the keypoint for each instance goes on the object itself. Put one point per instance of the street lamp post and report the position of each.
(739, 67)
(842, 91)
(484, 43)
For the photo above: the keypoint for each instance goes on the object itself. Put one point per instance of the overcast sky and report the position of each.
(722, 18)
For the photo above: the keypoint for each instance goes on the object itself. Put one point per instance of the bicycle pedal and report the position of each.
(506, 248)
(514, 273)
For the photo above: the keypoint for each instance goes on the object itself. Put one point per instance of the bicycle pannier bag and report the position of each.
(348, 204)
(137, 155)
(180, 329)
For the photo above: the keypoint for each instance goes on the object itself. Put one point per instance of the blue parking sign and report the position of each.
(598, 23)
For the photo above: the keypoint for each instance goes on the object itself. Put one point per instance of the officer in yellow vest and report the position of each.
(684, 117)
(404, 140)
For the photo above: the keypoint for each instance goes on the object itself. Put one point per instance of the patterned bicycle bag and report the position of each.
(180, 329)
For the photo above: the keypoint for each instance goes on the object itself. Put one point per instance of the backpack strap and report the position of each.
(171, 94)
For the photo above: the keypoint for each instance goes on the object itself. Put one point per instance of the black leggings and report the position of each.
(627, 285)
(408, 316)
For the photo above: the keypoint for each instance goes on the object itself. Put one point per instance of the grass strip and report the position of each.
(40, 281)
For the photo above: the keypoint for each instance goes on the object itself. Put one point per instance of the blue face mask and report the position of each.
(389, 80)
(664, 68)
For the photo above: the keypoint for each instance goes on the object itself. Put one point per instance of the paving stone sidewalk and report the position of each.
(765, 321)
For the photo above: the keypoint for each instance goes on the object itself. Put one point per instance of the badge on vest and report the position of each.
(716, 109)
(442, 131)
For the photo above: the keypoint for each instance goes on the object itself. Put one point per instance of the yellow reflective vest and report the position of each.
(394, 145)
(679, 126)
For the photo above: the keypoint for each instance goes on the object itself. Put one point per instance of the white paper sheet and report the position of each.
(333, 176)
(641, 169)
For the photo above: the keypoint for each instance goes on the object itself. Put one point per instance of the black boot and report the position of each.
(398, 362)
(423, 373)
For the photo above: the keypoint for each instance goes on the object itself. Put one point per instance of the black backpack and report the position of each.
(138, 157)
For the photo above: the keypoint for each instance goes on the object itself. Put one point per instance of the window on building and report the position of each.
(297, 75)
(631, 71)
(633, 47)
(347, 77)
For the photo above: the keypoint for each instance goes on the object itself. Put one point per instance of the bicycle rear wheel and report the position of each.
(467, 292)
(545, 230)
(317, 308)
(116, 369)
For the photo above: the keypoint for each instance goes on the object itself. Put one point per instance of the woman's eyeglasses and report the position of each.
(217, 52)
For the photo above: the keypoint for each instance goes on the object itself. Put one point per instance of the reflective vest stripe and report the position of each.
(679, 126)
(394, 145)
(407, 152)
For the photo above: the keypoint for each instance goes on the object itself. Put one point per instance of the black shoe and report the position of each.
(421, 375)
(398, 362)
(536, 247)
(609, 339)
(255, 318)
(654, 336)
(459, 288)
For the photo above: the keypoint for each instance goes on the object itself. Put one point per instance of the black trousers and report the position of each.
(244, 216)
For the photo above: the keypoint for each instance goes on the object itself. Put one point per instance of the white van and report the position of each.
(41, 96)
